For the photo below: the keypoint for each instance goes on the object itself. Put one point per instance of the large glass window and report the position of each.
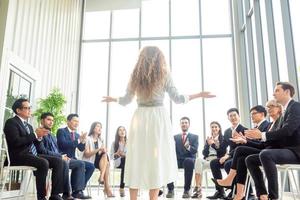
(123, 59)
(281, 53)
(155, 18)
(19, 86)
(266, 48)
(96, 25)
(174, 26)
(218, 77)
(185, 17)
(294, 5)
(125, 23)
(215, 17)
(94, 73)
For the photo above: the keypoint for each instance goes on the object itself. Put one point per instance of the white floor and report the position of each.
(144, 195)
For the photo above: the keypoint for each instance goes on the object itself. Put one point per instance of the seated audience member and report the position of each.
(186, 149)
(68, 140)
(118, 154)
(212, 150)
(96, 153)
(23, 143)
(286, 139)
(238, 167)
(49, 147)
(225, 161)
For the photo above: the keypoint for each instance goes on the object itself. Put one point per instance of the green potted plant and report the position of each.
(53, 103)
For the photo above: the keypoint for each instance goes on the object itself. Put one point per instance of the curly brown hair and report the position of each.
(149, 74)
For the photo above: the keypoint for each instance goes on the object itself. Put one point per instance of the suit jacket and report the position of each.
(65, 143)
(220, 151)
(289, 132)
(227, 142)
(18, 140)
(48, 146)
(264, 126)
(181, 151)
(268, 144)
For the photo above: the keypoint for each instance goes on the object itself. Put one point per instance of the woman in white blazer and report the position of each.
(95, 152)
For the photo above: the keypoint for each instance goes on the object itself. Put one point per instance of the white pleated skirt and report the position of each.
(151, 157)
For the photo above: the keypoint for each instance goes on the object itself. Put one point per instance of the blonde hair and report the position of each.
(149, 73)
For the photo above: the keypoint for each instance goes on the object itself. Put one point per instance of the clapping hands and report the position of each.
(238, 138)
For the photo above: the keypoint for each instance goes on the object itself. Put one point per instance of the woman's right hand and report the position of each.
(108, 99)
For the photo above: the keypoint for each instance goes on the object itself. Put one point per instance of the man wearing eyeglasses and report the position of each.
(23, 143)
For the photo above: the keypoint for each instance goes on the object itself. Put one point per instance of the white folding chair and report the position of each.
(5, 173)
(288, 169)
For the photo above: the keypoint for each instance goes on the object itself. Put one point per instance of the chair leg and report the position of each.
(283, 183)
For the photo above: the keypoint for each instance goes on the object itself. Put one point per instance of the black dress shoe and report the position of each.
(55, 197)
(80, 195)
(221, 186)
(41, 198)
(67, 197)
(217, 195)
(160, 193)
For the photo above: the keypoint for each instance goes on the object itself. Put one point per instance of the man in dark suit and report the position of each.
(49, 147)
(289, 146)
(238, 170)
(68, 140)
(186, 149)
(225, 161)
(22, 147)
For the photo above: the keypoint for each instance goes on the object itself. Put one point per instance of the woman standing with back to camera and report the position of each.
(151, 157)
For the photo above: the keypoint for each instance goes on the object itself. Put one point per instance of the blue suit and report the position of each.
(50, 147)
(67, 146)
(186, 158)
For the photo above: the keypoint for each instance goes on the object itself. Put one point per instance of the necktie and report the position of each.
(72, 135)
(183, 137)
(32, 147)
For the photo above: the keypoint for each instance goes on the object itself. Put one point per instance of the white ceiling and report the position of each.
(97, 5)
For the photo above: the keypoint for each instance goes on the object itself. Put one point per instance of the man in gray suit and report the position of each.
(186, 150)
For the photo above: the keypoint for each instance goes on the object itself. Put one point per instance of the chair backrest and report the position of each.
(4, 150)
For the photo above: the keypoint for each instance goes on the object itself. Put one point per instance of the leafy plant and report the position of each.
(53, 103)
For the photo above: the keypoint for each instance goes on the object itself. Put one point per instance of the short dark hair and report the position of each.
(18, 104)
(233, 110)
(46, 114)
(183, 118)
(70, 116)
(260, 109)
(287, 86)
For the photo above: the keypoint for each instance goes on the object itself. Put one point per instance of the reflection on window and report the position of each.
(96, 25)
(185, 17)
(281, 54)
(93, 86)
(215, 17)
(155, 18)
(125, 23)
(219, 79)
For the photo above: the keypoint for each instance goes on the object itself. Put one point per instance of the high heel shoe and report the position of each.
(101, 182)
(217, 184)
(108, 195)
(122, 192)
